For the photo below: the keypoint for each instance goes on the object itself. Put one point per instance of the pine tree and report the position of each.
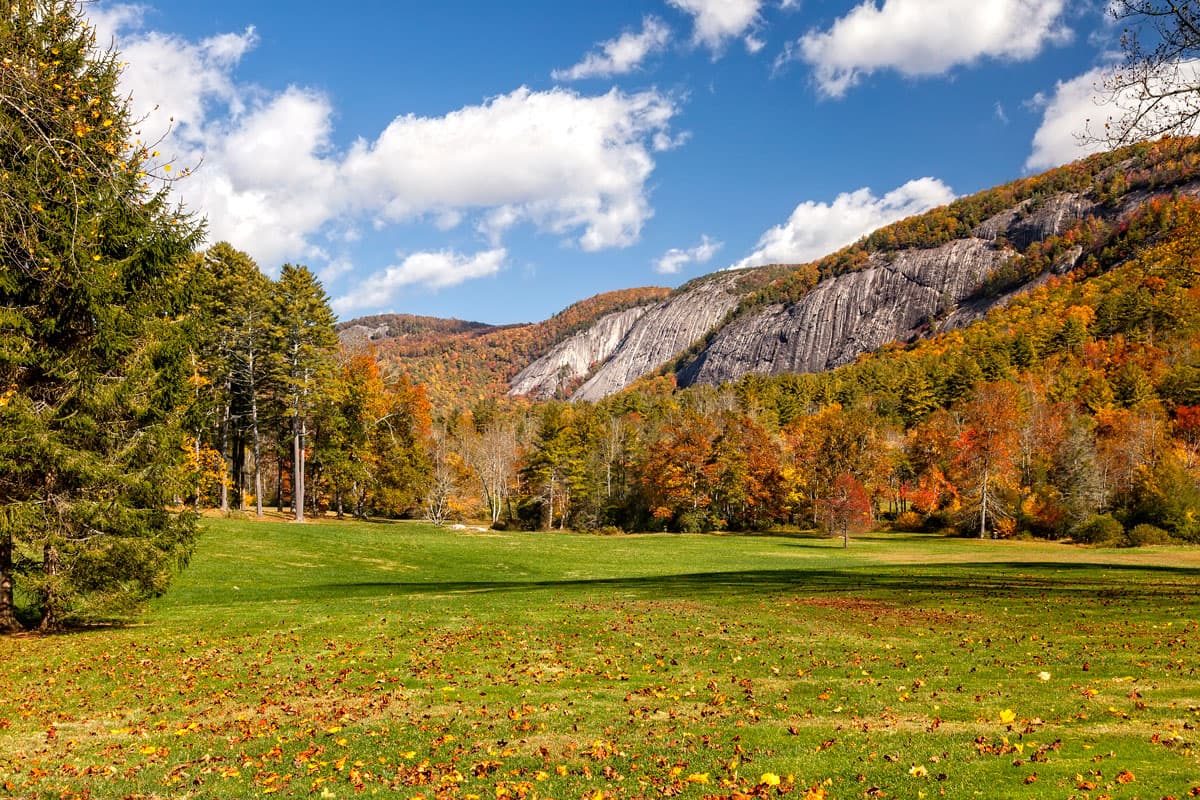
(306, 347)
(92, 363)
(233, 338)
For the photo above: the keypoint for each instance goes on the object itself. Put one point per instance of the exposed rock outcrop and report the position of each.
(358, 334)
(660, 334)
(575, 356)
(892, 299)
(897, 295)
(1034, 221)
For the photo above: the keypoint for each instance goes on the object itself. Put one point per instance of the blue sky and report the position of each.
(499, 161)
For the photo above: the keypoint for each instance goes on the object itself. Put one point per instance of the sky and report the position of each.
(500, 161)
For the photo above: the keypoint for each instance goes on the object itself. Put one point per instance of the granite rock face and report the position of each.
(892, 299)
(574, 357)
(661, 333)
(1031, 222)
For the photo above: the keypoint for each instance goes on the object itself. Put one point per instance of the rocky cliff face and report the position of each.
(661, 333)
(893, 299)
(575, 356)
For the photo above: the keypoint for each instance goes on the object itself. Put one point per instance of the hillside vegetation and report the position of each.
(459, 365)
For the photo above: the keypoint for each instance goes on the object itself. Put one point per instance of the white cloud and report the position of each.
(435, 270)
(621, 55)
(676, 258)
(928, 37)
(565, 162)
(718, 21)
(1071, 110)
(1079, 112)
(271, 181)
(818, 229)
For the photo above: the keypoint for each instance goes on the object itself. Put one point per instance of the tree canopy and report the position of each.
(92, 361)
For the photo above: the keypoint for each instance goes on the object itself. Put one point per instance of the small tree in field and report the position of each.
(846, 508)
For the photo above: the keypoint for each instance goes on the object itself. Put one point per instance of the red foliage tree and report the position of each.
(846, 508)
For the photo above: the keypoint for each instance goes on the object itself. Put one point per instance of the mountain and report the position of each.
(461, 363)
(936, 272)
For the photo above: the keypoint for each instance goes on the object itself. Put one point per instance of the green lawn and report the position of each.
(338, 660)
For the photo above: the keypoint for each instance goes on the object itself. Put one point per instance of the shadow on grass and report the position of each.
(1027, 580)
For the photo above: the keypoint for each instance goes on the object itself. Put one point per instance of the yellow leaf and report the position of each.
(769, 779)
(1007, 716)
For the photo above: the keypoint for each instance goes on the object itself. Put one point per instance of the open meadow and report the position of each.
(336, 660)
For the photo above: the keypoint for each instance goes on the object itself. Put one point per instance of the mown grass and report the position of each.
(338, 659)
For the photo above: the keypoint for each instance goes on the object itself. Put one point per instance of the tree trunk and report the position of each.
(298, 472)
(983, 499)
(257, 445)
(239, 469)
(8, 614)
(225, 458)
(50, 617)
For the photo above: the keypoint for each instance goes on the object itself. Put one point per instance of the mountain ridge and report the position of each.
(936, 271)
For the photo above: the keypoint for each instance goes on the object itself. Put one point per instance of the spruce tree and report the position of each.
(92, 363)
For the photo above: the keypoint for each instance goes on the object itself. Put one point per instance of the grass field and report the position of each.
(339, 660)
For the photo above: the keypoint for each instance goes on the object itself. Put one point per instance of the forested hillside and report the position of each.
(460, 363)
(1070, 409)
(1073, 410)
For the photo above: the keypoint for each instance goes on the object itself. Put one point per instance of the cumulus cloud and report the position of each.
(1079, 112)
(621, 55)
(927, 37)
(817, 229)
(270, 180)
(565, 162)
(718, 21)
(675, 259)
(433, 270)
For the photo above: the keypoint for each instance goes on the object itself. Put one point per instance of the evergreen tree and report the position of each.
(92, 363)
(305, 351)
(231, 342)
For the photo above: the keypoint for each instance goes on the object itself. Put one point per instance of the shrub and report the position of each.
(909, 521)
(1101, 529)
(693, 522)
(1144, 535)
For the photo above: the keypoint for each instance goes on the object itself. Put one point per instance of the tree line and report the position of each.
(280, 414)
(1072, 412)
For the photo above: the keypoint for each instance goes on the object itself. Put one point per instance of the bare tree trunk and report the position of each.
(983, 503)
(298, 469)
(50, 619)
(8, 612)
(256, 443)
(225, 459)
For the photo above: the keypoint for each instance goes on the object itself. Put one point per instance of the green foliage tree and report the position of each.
(232, 344)
(304, 361)
(92, 366)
